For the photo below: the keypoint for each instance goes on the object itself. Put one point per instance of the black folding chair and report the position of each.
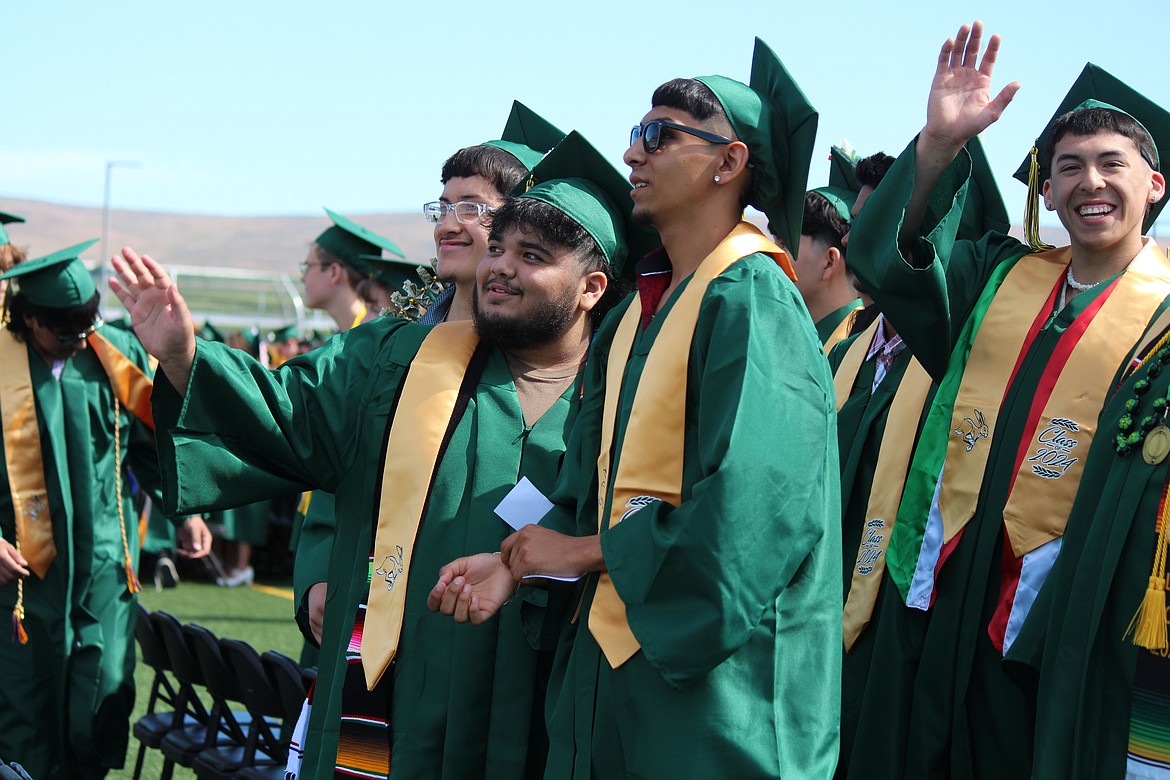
(181, 745)
(265, 752)
(187, 709)
(223, 753)
(150, 729)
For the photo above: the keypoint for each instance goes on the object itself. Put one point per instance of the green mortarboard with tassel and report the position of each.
(1094, 88)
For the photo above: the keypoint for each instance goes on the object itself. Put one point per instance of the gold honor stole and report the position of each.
(651, 462)
(424, 412)
(1071, 394)
(889, 479)
(22, 440)
(841, 332)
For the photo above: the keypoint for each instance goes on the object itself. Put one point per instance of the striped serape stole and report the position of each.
(363, 742)
(1149, 721)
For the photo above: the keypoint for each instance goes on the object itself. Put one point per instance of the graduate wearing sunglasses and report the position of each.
(75, 409)
(709, 633)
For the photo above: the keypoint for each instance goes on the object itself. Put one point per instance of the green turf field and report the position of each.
(260, 615)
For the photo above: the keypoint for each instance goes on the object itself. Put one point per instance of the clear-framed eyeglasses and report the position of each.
(466, 211)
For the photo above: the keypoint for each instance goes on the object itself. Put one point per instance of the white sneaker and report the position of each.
(237, 577)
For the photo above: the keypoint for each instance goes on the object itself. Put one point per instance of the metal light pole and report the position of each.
(110, 165)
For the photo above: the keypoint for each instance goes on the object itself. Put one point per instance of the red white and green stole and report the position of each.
(947, 471)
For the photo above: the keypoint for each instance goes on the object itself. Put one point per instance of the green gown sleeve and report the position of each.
(311, 559)
(760, 489)
(928, 295)
(241, 433)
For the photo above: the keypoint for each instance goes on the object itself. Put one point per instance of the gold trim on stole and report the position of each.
(1037, 508)
(23, 458)
(651, 462)
(424, 411)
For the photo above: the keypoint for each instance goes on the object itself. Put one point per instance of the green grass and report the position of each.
(260, 618)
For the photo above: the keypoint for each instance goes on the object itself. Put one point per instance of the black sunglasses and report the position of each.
(651, 134)
(73, 338)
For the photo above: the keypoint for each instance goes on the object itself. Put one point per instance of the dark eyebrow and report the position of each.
(533, 245)
(1081, 158)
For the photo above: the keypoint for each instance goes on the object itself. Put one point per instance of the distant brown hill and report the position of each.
(256, 243)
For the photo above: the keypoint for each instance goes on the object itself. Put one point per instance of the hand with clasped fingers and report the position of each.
(158, 313)
(472, 588)
(475, 588)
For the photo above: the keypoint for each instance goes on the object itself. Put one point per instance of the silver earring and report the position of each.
(717, 179)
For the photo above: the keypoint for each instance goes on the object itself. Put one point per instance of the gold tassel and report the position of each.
(1032, 206)
(132, 583)
(18, 632)
(1149, 624)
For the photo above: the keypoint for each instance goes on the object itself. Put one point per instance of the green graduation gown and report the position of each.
(1074, 641)
(66, 696)
(861, 427)
(827, 324)
(733, 594)
(938, 703)
(466, 699)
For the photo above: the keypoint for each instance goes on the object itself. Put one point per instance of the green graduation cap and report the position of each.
(984, 210)
(779, 125)
(840, 199)
(843, 169)
(1094, 88)
(843, 186)
(211, 333)
(7, 219)
(527, 135)
(351, 243)
(59, 280)
(283, 333)
(577, 180)
(392, 271)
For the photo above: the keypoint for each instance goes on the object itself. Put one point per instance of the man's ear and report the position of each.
(593, 287)
(834, 263)
(1044, 190)
(1158, 187)
(734, 161)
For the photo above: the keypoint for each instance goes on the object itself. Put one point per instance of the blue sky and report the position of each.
(264, 107)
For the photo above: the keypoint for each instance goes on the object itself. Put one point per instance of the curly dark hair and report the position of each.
(552, 225)
(73, 319)
(501, 168)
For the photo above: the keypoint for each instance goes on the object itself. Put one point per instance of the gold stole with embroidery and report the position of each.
(22, 441)
(651, 462)
(1049, 472)
(424, 411)
(889, 479)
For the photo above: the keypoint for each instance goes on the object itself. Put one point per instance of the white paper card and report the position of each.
(524, 505)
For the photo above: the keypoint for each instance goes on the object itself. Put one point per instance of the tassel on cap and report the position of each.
(1032, 206)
